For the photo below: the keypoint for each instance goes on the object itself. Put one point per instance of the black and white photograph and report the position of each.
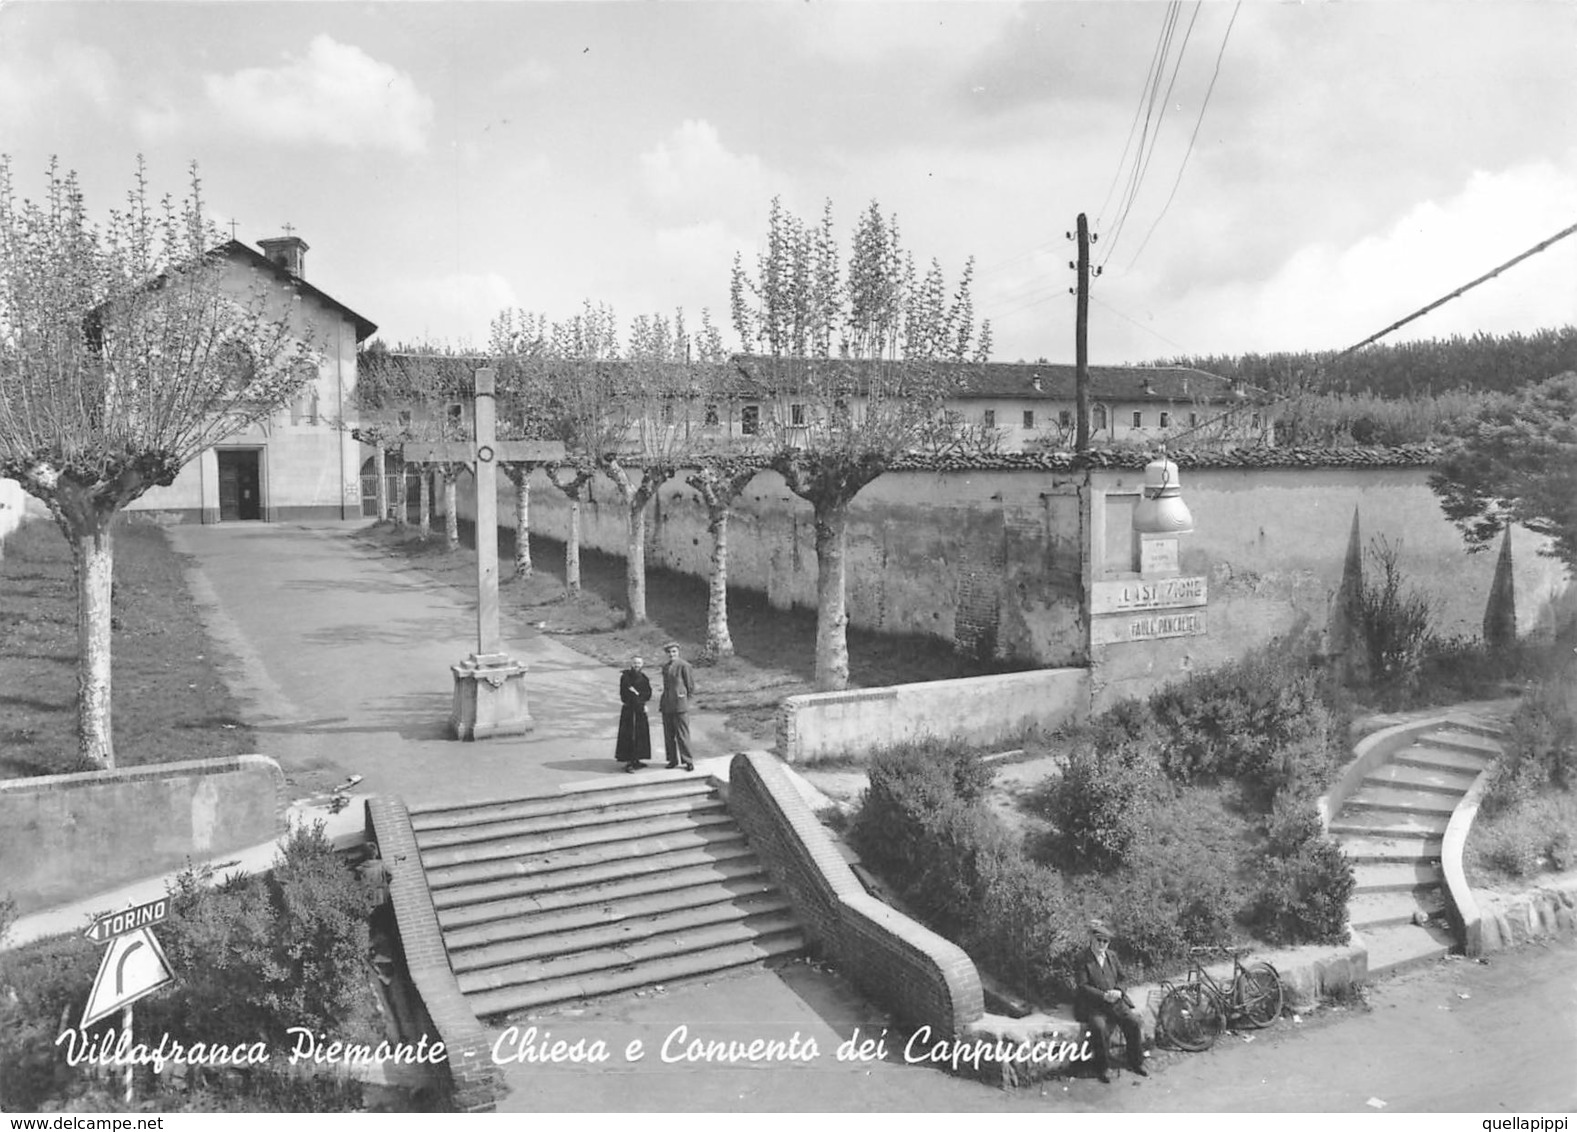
(851, 556)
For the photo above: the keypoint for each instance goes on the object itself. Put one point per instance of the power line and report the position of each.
(1514, 260)
(1149, 139)
(1192, 137)
(1165, 103)
(1134, 125)
(1127, 318)
(1152, 88)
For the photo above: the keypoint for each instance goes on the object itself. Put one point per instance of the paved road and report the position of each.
(341, 657)
(1454, 1036)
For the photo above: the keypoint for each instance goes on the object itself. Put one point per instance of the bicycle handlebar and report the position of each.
(1218, 949)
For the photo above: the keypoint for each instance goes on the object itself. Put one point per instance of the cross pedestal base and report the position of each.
(489, 698)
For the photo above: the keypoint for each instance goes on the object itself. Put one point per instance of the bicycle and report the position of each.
(1193, 1013)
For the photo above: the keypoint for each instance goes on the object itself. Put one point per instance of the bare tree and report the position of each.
(839, 422)
(125, 350)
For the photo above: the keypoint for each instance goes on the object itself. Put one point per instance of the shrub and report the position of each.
(1302, 898)
(1022, 927)
(1396, 621)
(256, 955)
(43, 987)
(1262, 720)
(1294, 821)
(923, 823)
(1098, 807)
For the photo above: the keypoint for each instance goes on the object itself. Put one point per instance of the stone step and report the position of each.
(615, 880)
(1396, 877)
(701, 887)
(1434, 780)
(1395, 949)
(1398, 800)
(689, 964)
(616, 931)
(635, 953)
(632, 810)
(1388, 824)
(1382, 909)
(446, 816)
(451, 862)
(1441, 758)
(499, 880)
(1459, 740)
(1380, 850)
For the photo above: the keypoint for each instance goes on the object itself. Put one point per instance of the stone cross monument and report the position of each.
(489, 685)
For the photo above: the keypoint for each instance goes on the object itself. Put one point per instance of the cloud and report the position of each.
(691, 176)
(1354, 290)
(869, 31)
(450, 310)
(336, 94)
(74, 73)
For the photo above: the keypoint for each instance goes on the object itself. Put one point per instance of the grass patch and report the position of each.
(169, 701)
(1531, 836)
(774, 649)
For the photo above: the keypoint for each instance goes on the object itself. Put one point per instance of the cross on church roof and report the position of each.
(232, 228)
(289, 231)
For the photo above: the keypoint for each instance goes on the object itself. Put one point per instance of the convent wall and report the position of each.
(1000, 559)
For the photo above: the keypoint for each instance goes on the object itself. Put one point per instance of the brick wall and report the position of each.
(475, 1079)
(67, 836)
(921, 977)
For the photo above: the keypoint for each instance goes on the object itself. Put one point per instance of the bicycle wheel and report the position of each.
(1190, 1018)
(1256, 995)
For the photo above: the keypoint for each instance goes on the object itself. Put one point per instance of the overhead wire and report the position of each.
(1200, 121)
(1462, 290)
(1156, 112)
(1134, 125)
(1166, 102)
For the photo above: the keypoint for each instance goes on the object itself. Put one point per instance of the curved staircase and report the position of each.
(1392, 827)
(548, 898)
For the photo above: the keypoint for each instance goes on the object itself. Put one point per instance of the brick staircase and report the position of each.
(1392, 829)
(571, 895)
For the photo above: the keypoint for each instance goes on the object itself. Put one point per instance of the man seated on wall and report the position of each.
(1100, 1002)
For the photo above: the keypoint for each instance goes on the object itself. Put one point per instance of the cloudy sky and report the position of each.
(1351, 163)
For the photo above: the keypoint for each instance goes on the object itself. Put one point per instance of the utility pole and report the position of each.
(1081, 346)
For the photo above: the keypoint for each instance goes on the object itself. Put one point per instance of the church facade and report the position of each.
(302, 462)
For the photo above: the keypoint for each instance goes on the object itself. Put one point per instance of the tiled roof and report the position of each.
(365, 327)
(1407, 456)
(1041, 381)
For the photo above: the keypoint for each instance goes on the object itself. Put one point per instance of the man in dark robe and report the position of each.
(634, 745)
(1100, 1002)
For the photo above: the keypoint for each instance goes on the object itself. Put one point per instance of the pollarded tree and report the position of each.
(581, 381)
(718, 480)
(665, 388)
(839, 422)
(1515, 461)
(413, 395)
(126, 349)
(518, 345)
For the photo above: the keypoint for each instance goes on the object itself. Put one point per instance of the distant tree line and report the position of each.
(1481, 363)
